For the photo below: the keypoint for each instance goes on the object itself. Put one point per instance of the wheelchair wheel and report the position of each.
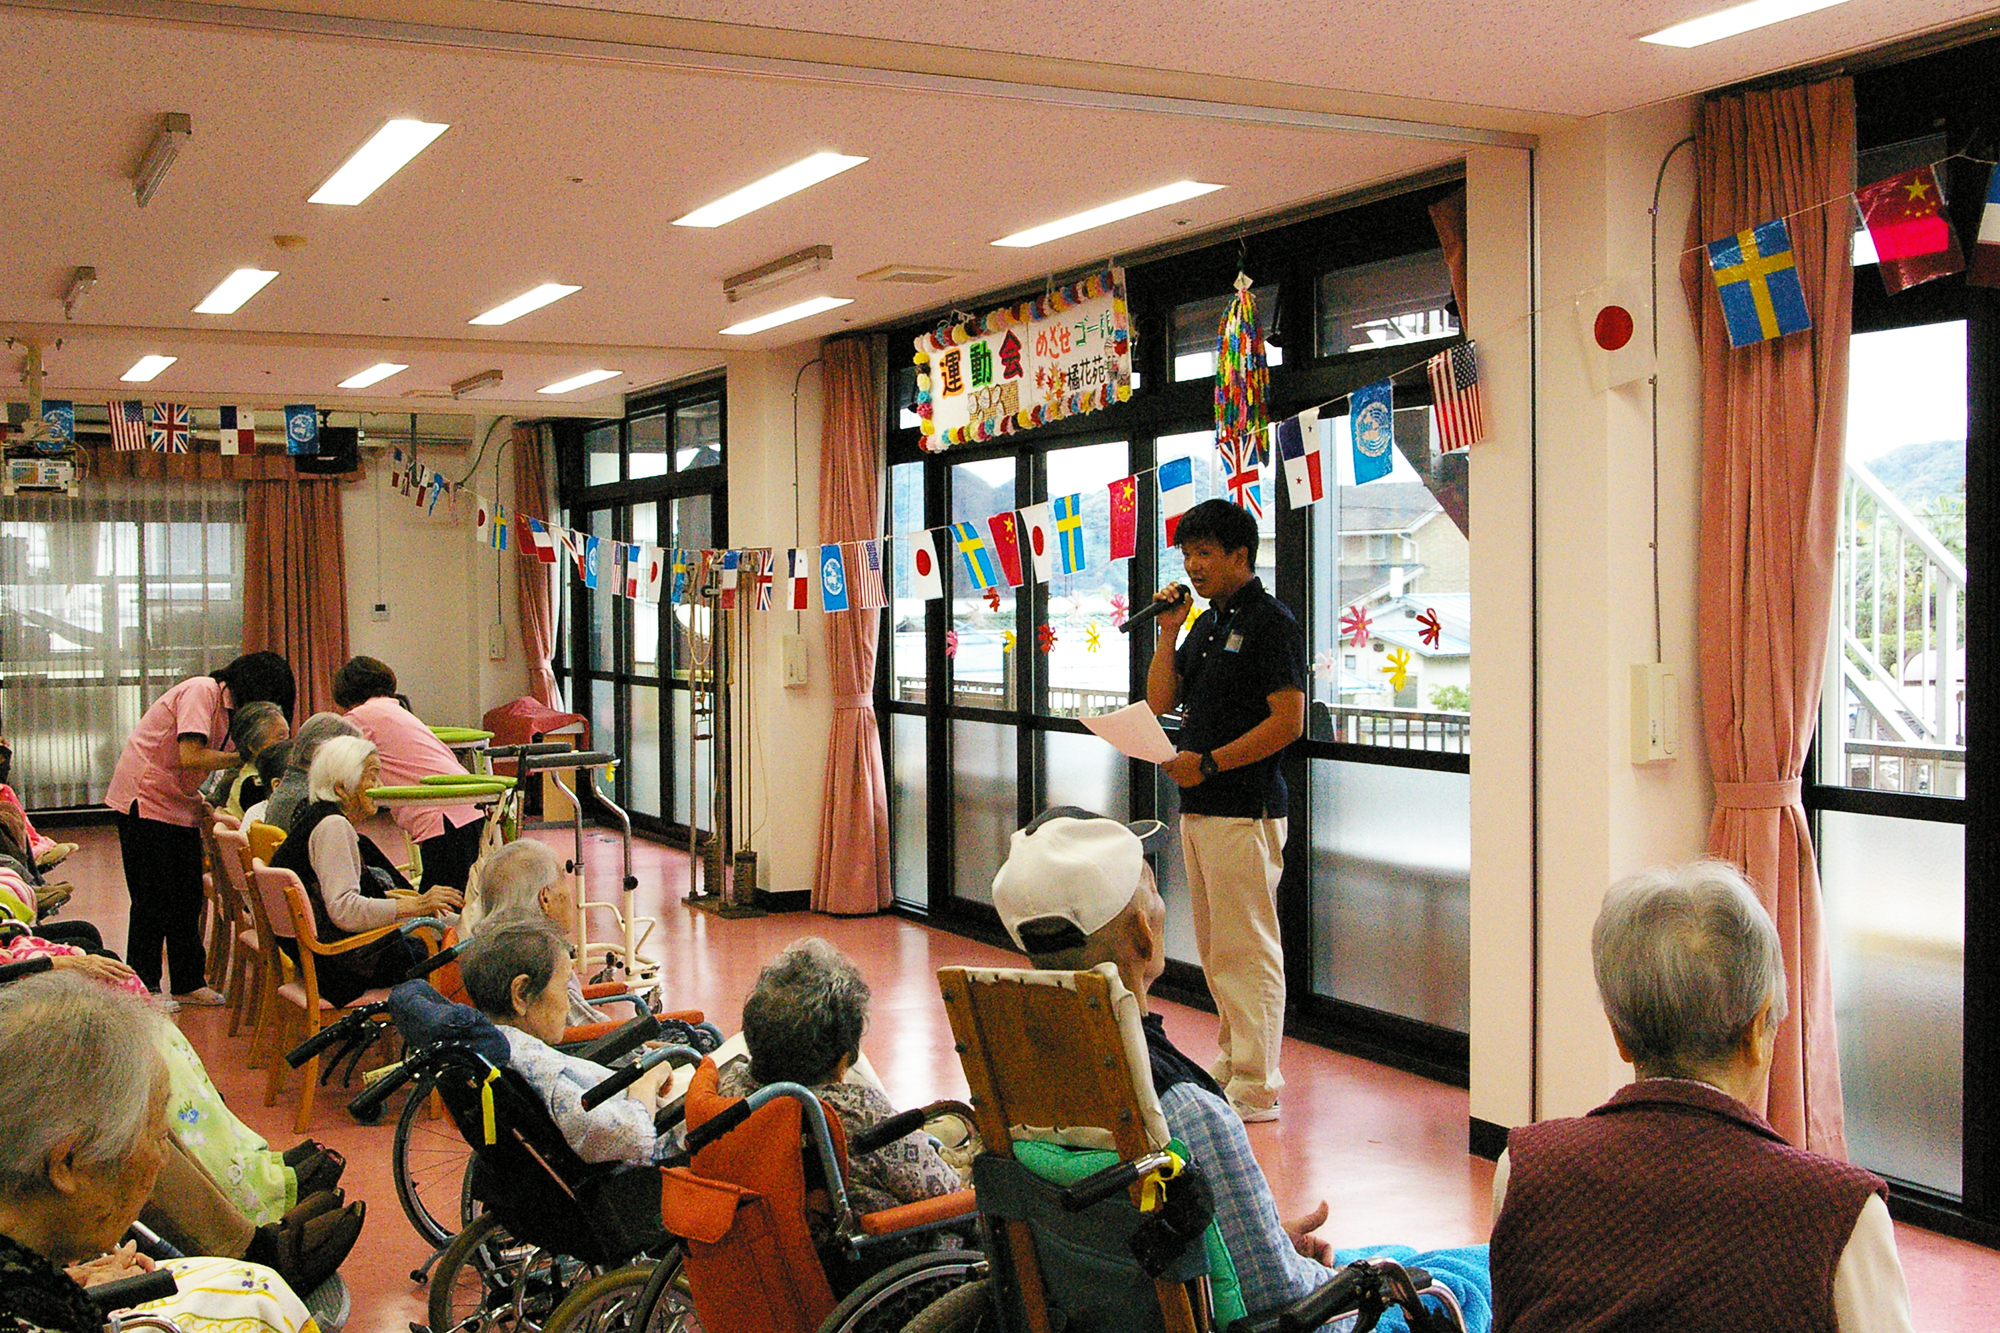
(429, 1160)
(643, 1298)
(488, 1282)
(887, 1302)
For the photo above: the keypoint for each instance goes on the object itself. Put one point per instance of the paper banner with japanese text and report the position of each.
(1057, 356)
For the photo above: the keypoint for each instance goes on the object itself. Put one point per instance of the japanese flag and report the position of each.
(1614, 325)
(926, 578)
(1038, 534)
(653, 561)
(482, 520)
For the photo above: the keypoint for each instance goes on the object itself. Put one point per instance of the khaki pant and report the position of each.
(1233, 867)
(190, 1211)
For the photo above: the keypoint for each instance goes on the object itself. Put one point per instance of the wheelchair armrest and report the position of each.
(620, 1040)
(923, 1213)
(127, 1292)
(692, 1017)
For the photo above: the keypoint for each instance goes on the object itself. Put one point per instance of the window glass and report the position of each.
(909, 809)
(985, 777)
(645, 654)
(1897, 707)
(903, 397)
(1402, 300)
(690, 789)
(604, 601)
(1210, 483)
(1089, 665)
(907, 662)
(985, 666)
(698, 435)
(642, 755)
(646, 439)
(600, 454)
(1198, 326)
(693, 531)
(1392, 597)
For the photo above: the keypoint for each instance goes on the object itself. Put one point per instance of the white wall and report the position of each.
(441, 589)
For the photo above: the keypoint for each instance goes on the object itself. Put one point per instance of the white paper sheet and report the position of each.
(1134, 730)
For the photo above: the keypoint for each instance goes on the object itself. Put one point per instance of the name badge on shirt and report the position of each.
(1234, 643)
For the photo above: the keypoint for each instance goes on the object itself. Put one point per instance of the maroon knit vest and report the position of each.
(1672, 1207)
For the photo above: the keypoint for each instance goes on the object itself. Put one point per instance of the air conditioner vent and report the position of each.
(913, 275)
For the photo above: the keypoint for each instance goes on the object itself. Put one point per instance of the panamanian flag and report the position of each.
(236, 431)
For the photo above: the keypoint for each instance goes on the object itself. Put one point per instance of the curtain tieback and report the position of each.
(853, 701)
(1758, 795)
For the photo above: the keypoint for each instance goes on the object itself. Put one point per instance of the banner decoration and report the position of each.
(169, 427)
(1176, 492)
(1298, 446)
(1913, 238)
(1456, 398)
(1038, 529)
(832, 578)
(1006, 532)
(1059, 355)
(1124, 517)
(1068, 512)
(1371, 425)
(1242, 378)
(1985, 270)
(236, 430)
(926, 578)
(1757, 280)
(60, 415)
(1243, 469)
(301, 429)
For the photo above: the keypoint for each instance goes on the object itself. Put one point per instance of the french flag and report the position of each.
(1176, 492)
(542, 542)
(1984, 270)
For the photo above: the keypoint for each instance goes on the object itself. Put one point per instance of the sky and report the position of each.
(1905, 385)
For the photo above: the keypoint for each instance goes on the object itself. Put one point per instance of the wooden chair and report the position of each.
(303, 1011)
(1058, 1057)
(257, 964)
(264, 840)
(219, 934)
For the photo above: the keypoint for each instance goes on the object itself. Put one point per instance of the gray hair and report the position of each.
(316, 731)
(338, 765)
(509, 879)
(805, 1015)
(254, 726)
(81, 1062)
(515, 947)
(1685, 957)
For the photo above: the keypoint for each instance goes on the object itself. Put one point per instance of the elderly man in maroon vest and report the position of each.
(1674, 1205)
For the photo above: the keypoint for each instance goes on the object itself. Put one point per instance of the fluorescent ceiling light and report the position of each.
(509, 311)
(791, 312)
(385, 154)
(1108, 213)
(578, 381)
(778, 185)
(375, 374)
(146, 367)
(1740, 18)
(234, 290)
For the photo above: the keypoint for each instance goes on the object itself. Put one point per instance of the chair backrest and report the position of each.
(232, 856)
(264, 840)
(752, 1265)
(273, 885)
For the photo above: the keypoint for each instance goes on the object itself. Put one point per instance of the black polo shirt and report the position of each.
(1230, 664)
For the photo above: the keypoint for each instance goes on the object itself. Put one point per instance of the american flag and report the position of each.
(168, 426)
(128, 425)
(1455, 396)
(864, 575)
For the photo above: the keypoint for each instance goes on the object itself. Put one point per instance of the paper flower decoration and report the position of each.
(993, 598)
(1046, 637)
(1119, 608)
(1091, 641)
(1326, 664)
(1429, 629)
(1398, 670)
(1354, 626)
(1006, 641)
(951, 643)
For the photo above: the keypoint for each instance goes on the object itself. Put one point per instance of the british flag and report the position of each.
(168, 426)
(864, 575)
(760, 566)
(128, 425)
(1244, 462)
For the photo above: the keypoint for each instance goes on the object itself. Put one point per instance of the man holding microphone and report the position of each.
(1241, 681)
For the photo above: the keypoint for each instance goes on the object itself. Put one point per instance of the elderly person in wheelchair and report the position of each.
(1674, 1205)
(83, 1136)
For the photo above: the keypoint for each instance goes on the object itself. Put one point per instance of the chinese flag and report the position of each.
(1913, 238)
(1124, 517)
(1007, 545)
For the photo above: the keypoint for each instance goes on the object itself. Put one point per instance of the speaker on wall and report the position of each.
(339, 452)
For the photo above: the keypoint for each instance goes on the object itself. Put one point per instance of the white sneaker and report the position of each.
(208, 997)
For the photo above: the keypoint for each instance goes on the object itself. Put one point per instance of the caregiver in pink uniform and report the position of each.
(447, 837)
(156, 793)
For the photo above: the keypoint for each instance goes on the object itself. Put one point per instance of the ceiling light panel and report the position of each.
(510, 311)
(230, 294)
(791, 313)
(1737, 19)
(146, 367)
(375, 374)
(778, 185)
(1104, 214)
(579, 381)
(387, 152)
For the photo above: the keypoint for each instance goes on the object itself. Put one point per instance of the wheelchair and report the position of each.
(762, 1168)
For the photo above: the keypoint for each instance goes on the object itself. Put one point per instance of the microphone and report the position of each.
(1151, 609)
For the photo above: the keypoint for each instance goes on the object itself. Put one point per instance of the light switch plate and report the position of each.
(379, 613)
(798, 671)
(1656, 716)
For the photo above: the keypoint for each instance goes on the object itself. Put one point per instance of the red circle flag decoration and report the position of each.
(1035, 538)
(1612, 328)
(922, 558)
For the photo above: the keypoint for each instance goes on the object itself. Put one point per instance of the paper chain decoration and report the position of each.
(1354, 626)
(1430, 629)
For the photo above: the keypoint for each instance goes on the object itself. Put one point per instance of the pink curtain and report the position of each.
(535, 590)
(853, 875)
(1773, 437)
(295, 583)
(1448, 217)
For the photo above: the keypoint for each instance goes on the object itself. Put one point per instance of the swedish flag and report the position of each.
(1758, 280)
(978, 556)
(1069, 532)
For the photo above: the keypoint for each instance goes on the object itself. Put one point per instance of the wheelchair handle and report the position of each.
(622, 1041)
(629, 1074)
(368, 1103)
(432, 963)
(527, 750)
(340, 1031)
(127, 1292)
(1095, 1188)
(418, 922)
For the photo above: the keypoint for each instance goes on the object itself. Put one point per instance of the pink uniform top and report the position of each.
(149, 769)
(411, 752)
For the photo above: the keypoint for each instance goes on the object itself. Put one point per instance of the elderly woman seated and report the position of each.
(254, 729)
(290, 794)
(517, 972)
(802, 1024)
(525, 881)
(348, 878)
(1674, 1205)
(83, 1135)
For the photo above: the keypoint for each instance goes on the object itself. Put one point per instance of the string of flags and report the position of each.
(168, 428)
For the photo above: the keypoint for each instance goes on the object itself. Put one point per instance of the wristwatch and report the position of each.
(1209, 768)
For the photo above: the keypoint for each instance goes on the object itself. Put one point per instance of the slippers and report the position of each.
(319, 1172)
(316, 1204)
(54, 855)
(302, 1152)
(48, 897)
(307, 1252)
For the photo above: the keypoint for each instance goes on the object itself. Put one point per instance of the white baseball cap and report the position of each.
(1071, 866)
